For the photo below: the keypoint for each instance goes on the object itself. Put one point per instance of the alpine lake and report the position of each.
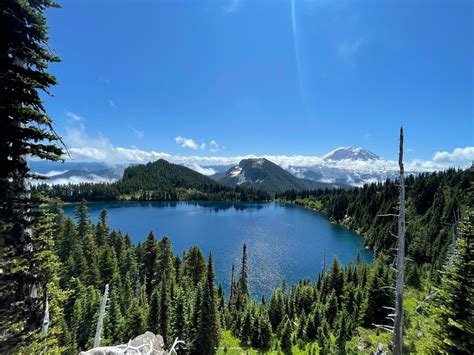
(284, 242)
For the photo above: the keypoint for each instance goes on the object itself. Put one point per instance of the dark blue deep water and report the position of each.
(284, 242)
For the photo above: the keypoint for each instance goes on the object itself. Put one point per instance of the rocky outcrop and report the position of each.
(148, 343)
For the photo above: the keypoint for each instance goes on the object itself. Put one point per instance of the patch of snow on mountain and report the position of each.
(235, 171)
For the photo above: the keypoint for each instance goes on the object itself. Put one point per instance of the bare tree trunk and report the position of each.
(232, 283)
(100, 321)
(398, 326)
(45, 327)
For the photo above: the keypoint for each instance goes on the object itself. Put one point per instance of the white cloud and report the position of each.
(186, 142)
(92, 178)
(465, 154)
(54, 172)
(200, 169)
(138, 133)
(112, 104)
(73, 117)
(213, 146)
(86, 148)
(203, 146)
(88, 153)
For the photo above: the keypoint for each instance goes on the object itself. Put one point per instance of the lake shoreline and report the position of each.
(283, 201)
(285, 241)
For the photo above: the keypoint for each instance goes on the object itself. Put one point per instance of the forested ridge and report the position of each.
(435, 202)
(155, 181)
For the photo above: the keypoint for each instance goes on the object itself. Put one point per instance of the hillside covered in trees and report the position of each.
(153, 289)
(156, 181)
(435, 202)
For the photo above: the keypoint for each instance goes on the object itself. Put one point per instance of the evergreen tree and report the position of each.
(89, 249)
(343, 331)
(137, 315)
(265, 332)
(48, 268)
(276, 310)
(154, 314)
(336, 281)
(192, 329)
(301, 329)
(102, 230)
(178, 321)
(65, 240)
(164, 319)
(331, 308)
(324, 338)
(136, 320)
(378, 295)
(108, 265)
(247, 327)
(165, 261)
(114, 327)
(26, 131)
(285, 336)
(150, 262)
(195, 265)
(243, 279)
(83, 218)
(208, 321)
(454, 306)
(255, 334)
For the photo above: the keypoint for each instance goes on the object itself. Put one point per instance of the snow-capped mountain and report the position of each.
(352, 153)
(343, 166)
(347, 165)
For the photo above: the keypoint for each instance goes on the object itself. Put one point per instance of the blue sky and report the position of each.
(232, 78)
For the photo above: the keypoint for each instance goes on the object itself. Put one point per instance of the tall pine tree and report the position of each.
(26, 132)
(208, 332)
(454, 306)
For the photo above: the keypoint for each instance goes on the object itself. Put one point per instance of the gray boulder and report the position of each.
(146, 344)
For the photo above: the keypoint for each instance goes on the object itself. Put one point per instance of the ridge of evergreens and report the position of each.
(155, 181)
(435, 202)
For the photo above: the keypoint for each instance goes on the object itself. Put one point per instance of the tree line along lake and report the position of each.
(284, 242)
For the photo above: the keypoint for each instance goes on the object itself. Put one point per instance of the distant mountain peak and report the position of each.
(265, 175)
(352, 153)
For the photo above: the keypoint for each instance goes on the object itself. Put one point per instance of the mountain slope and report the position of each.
(267, 176)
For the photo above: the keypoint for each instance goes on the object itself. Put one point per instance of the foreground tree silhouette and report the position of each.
(454, 307)
(208, 328)
(26, 131)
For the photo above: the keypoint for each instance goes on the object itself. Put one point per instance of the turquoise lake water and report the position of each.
(284, 242)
